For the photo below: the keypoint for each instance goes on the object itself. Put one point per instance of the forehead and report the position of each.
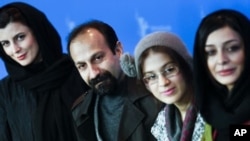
(222, 35)
(88, 43)
(12, 29)
(155, 61)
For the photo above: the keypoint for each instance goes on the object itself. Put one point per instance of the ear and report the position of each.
(118, 49)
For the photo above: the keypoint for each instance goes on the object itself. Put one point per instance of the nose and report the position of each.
(94, 71)
(163, 81)
(222, 58)
(16, 48)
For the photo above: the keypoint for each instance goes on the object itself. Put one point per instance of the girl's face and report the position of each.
(225, 56)
(19, 43)
(163, 78)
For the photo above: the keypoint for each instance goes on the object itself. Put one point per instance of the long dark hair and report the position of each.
(212, 98)
(219, 19)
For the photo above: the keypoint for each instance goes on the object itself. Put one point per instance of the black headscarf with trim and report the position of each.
(55, 81)
(219, 107)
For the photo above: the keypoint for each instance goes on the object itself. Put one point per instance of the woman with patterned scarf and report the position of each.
(42, 82)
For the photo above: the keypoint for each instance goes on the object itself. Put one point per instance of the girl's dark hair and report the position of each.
(183, 65)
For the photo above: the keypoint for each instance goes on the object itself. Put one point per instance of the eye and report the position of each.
(170, 69)
(81, 67)
(5, 43)
(20, 37)
(210, 52)
(98, 58)
(149, 78)
(234, 48)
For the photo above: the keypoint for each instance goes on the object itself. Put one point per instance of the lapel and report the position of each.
(132, 116)
(81, 107)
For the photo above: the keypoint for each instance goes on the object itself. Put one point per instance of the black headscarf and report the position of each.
(55, 81)
(216, 106)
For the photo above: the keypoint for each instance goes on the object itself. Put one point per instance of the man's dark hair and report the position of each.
(106, 30)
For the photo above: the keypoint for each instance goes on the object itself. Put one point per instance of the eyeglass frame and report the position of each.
(165, 68)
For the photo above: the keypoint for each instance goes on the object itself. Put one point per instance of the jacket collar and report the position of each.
(131, 116)
(81, 107)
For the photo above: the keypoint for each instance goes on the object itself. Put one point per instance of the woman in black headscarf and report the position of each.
(42, 82)
(221, 68)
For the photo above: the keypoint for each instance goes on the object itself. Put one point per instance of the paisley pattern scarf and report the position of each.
(169, 127)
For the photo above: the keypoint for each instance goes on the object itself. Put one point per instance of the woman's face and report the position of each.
(163, 78)
(19, 43)
(225, 56)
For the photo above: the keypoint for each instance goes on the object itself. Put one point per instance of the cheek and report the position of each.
(111, 66)
(239, 59)
(8, 51)
(84, 76)
(35, 49)
(210, 64)
(240, 62)
(180, 83)
(153, 89)
(31, 43)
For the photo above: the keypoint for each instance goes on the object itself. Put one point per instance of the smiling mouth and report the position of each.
(168, 92)
(21, 57)
(226, 72)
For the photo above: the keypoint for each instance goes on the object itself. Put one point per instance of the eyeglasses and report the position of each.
(168, 71)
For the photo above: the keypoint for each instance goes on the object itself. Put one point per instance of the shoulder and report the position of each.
(140, 96)
(6, 83)
(83, 100)
(5, 79)
(73, 88)
(82, 105)
(143, 100)
(136, 90)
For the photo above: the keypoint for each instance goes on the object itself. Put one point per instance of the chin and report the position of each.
(104, 89)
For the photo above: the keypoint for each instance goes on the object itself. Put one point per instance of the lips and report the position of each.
(168, 92)
(226, 72)
(21, 57)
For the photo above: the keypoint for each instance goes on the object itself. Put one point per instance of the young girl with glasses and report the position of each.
(164, 65)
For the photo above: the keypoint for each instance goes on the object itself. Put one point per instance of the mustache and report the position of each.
(99, 78)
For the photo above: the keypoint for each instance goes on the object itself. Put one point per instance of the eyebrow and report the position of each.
(227, 42)
(91, 58)
(79, 62)
(162, 67)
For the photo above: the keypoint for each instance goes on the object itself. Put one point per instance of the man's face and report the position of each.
(95, 61)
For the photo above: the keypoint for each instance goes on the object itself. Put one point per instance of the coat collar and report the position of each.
(131, 115)
(81, 107)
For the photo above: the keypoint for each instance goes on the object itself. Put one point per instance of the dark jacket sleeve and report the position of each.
(4, 127)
